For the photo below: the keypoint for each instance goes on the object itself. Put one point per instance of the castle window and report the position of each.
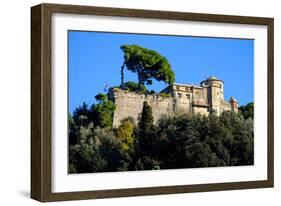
(179, 95)
(188, 96)
(177, 88)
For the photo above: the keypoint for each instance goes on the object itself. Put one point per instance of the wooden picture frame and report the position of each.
(41, 97)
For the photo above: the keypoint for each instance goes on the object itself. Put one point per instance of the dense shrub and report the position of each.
(183, 141)
(247, 111)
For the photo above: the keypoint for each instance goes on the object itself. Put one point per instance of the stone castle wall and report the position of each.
(225, 106)
(184, 99)
(130, 104)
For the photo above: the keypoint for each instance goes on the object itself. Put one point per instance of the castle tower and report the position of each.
(234, 104)
(215, 93)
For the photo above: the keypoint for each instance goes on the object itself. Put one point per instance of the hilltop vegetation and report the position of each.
(247, 111)
(183, 141)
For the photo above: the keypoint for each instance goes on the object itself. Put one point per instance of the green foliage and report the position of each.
(240, 142)
(146, 131)
(86, 158)
(125, 133)
(134, 87)
(196, 141)
(111, 150)
(81, 114)
(146, 120)
(72, 132)
(147, 163)
(100, 151)
(71, 169)
(148, 143)
(184, 141)
(247, 111)
(148, 64)
(164, 94)
(102, 113)
(85, 119)
(101, 98)
(183, 145)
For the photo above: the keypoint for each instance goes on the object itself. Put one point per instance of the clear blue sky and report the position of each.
(95, 59)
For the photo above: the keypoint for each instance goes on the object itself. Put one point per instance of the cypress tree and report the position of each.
(147, 140)
(146, 120)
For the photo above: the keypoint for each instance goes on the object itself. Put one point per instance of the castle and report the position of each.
(181, 99)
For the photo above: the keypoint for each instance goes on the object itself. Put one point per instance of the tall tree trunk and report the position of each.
(141, 76)
(141, 81)
(122, 76)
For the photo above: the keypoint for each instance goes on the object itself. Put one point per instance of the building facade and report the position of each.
(180, 99)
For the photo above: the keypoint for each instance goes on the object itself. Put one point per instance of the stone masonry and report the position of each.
(183, 99)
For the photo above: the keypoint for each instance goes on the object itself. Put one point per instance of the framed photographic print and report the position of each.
(130, 102)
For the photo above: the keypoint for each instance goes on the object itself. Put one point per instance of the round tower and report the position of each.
(215, 93)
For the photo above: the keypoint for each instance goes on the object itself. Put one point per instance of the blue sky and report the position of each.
(95, 59)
